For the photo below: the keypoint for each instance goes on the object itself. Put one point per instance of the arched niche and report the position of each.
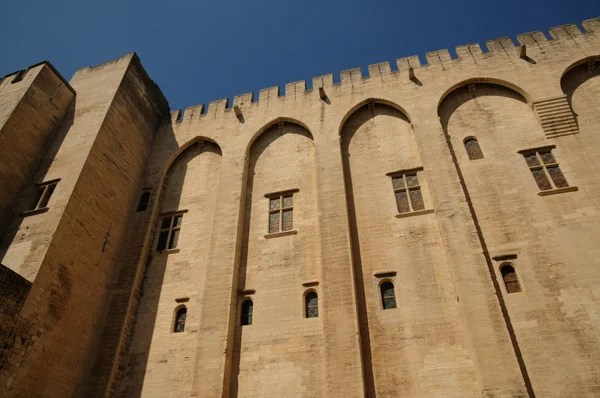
(193, 171)
(280, 159)
(499, 115)
(581, 85)
(188, 185)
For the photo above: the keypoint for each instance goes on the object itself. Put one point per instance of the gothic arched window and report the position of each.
(473, 149)
(312, 305)
(180, 320)
(388, 296)
(510, 279)
(247, 310)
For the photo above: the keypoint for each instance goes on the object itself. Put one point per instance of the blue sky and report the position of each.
(200, 51)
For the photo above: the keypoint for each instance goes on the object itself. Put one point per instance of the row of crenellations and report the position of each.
(442, 58)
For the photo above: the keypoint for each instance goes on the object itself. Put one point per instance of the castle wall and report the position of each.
(456, 331)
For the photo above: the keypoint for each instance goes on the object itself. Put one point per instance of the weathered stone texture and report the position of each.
(99, 318)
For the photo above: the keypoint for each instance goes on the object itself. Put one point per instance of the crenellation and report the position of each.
(322, 81)
(439, 58)
(350, 76)
(568, 31)
(469, 52)
(216, 107)
(591, 25)
(295, 89)
(243, 100)
(503, 45)
(536, 38)
(379, 70)
(406, 63)
(269, 94)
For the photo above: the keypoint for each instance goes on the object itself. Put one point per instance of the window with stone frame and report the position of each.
(180, 318)
(43, 192)
(311, 300)
(281, 211)
(544, 168)
(247, 312)
(388, 295)
(170, 227)
(511, 281)
(409, 197)
(473, 148)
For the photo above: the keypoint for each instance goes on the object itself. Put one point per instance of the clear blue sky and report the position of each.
(200, 51)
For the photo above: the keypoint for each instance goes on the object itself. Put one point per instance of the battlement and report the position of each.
(409, 67)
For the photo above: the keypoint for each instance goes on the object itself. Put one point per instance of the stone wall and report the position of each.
(456, 329)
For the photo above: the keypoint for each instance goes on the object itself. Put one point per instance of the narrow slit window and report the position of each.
(168, 236)
(281, 212)
(510, 279)
(312, 305)
(388, 295)
(180, 320)
(144, 200)
(545, 169)
(18, 76)
(247, 310)
(473, 149)
(43, 193)
(408, 192)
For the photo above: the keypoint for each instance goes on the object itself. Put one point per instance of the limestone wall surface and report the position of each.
(460, 326)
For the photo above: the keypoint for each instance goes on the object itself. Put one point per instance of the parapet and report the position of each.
(566, 34)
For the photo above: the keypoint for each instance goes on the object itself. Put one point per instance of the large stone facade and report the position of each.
(440, 179)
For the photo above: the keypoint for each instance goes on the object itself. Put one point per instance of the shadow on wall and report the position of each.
(576, 77)
(351, 126)
(8, 234)
(269, 136)
(464, 94)
(152, 285)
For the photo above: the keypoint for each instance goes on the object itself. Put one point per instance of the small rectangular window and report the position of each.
(18, 76)
(545, 169)
(168, 235)
(408, 192)
(281, 212)
(43, 193)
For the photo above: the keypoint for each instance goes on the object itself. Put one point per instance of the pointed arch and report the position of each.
(484, 80)
(371, 100)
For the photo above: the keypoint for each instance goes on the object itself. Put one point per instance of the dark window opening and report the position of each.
(247, 310)
(545, 169)
(143, 203)
(168, 235)
(510, 279)
(42, 194)
(19, 76)
(408, 192)
(180, 320)
(281, 212)
(312, 305)
(388, 296)
(473, 149)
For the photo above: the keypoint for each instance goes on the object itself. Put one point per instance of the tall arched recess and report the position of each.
(280, 251)
(581, 84)
(390, 243)
(176, 273)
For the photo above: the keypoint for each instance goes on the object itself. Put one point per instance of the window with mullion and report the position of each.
(545, 169)
(168, 235)
(408, 192)
(43, 194)
(281, 212)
